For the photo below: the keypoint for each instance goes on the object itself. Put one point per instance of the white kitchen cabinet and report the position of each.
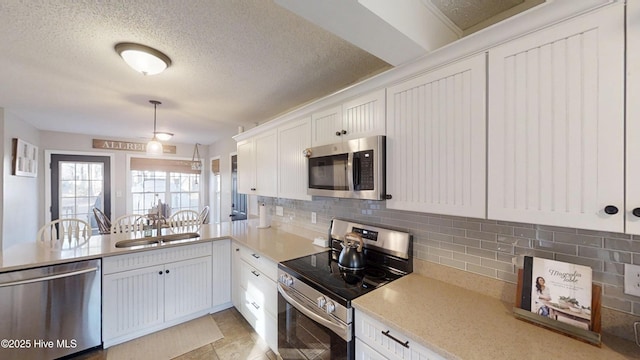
(255, 292)
(257, 165)
(360, 117)
(632, 225)
(221, 275)
(293, 138)
(151, 290)
(436, 141)
(384, 342)
(556, 125)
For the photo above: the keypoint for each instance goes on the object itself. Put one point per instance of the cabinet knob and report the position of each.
(253, 189)
(167, 271)
(338, 133)
(610, 209)
(636, 212)
(160, 272)
(344, 132)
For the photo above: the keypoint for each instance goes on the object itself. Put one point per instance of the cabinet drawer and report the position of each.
(262, 290)
(114, 264)
(261, 263)
(264, 324)
(372, 333)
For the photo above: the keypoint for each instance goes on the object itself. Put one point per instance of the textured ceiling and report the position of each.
(234, 63)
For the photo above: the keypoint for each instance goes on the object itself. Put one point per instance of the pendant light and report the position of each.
(196, 162)
(154, 147)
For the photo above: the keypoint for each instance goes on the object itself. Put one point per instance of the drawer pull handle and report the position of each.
(405, 344)
(255, 305)
(255, 273)
(256, 256)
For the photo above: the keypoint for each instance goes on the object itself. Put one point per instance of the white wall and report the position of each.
(21, 208)
(223, 148)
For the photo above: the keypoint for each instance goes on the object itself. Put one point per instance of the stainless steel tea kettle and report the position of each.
(352, 257)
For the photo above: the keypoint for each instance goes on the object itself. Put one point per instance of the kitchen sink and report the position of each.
(175, 237)
(157, 240)
(138, 242)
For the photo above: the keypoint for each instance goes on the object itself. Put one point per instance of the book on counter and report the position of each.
(558, 290)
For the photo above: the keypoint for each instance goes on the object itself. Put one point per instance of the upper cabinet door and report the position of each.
(364, 116)
(556, 125)
(633, 118)
(293, 138)
(436, 141)
(266, 163)
(246, 167)
(326, 126)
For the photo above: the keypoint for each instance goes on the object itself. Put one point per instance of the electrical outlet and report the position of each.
(314, 219)
(279, 211)
(632, 279)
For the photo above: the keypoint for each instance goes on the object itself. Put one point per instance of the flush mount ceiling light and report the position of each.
(143, 59)
(154, 147)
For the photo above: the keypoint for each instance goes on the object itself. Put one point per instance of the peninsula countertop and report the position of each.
(461, 324)
(277, 244)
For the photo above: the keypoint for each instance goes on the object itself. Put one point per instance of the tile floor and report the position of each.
(239, 342)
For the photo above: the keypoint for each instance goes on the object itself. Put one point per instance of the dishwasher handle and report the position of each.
(50, 277)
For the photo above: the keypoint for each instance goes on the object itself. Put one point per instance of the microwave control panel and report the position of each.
(363, 170)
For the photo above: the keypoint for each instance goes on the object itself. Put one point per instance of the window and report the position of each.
(172, 182)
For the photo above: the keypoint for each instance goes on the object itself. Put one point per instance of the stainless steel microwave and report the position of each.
(350, 169)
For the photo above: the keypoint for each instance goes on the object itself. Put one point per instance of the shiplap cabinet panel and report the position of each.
(436, 141)
(187, 286)
(257, 165)
(356, 118)
(364, 116)
(221, 274)
(556, 125)
(293, 138)
(633, 118)
(325, 124)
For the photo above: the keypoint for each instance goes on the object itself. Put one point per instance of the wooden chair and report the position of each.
(130, 223)
(203, 214)
(69, 229)
(185, 218)
(104, 224)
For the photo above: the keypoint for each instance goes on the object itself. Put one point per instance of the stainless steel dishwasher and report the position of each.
(51, 311)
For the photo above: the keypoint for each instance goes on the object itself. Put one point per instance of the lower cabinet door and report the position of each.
(365, 352)
(187, 287)
(132, 301)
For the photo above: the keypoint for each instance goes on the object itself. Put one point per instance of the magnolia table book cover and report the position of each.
(559, 290)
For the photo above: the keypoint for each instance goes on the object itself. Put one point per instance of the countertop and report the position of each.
(278, 244)
(461, 324)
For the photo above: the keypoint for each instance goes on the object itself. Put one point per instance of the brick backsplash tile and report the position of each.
(498, 229)
(481, 235)
(467, 258)
(481, 252)
(453, 263)
(578, 239)
(466, 241)
(555, 247)
(482, 246)
(482, 270)
(453, 247)
(595, 264)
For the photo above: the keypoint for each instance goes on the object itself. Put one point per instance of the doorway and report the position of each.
(78, 184)
(238, 201)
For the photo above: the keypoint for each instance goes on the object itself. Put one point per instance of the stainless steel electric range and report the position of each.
(315, 318)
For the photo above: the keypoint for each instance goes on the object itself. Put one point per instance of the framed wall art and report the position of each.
(25, 158)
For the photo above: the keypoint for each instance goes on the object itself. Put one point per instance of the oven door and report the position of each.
(307, 332)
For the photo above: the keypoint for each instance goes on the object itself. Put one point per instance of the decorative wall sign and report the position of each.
(25, 158)
(128, 146)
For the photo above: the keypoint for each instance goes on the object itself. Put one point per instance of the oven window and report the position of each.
(299, 337)
(329, 172)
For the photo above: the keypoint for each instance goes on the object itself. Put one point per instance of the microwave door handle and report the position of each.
(356, 172)
(350, 165)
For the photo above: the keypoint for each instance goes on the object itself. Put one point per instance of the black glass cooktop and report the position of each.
(322, 272)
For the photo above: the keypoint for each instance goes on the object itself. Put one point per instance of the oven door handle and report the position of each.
(340, 329)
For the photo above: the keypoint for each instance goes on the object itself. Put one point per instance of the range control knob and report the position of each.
(321, 301)
(288, 280)
(331, 307)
